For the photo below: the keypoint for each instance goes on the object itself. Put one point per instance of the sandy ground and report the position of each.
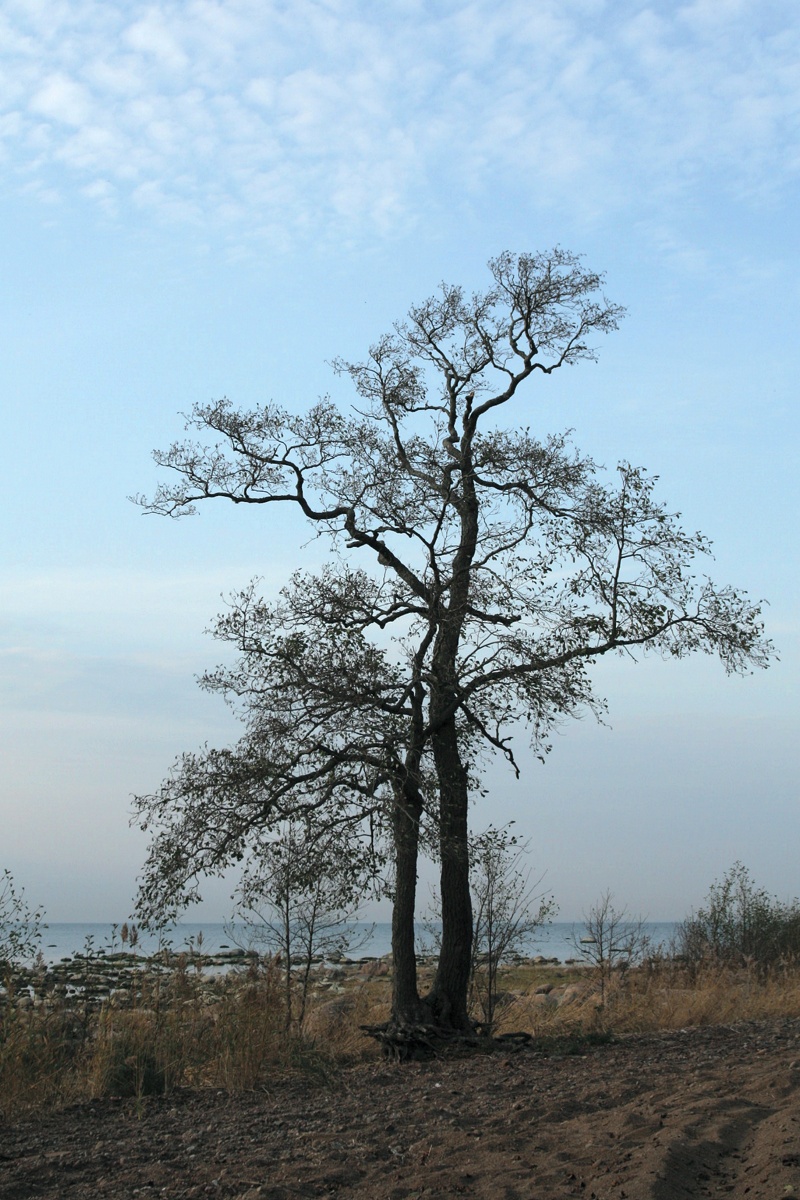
(694, 1113)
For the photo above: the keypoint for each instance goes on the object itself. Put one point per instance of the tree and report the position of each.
(499, 567)
(612, 940)
(507, 909)
(298, 903)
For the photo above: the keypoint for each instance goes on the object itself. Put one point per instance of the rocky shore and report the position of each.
(122, 977)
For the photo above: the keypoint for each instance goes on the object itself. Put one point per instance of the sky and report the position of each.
(203, 198)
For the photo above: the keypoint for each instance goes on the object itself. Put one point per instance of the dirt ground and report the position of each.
(694, 1113)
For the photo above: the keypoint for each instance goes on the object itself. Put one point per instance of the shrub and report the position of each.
(741, 925)
(20, 926)
(506, 909)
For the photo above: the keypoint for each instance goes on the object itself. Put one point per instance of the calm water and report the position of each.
(62, 940)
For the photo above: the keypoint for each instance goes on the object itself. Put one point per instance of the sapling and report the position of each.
(612, 940)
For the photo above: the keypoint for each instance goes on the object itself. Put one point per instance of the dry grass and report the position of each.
(230, 1032)
(664, 996)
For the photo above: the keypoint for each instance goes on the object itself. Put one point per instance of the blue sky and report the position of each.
(199, 199)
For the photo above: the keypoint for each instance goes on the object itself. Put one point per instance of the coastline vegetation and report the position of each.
(114, 1023)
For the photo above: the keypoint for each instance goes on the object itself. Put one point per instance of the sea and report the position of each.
(559, 939)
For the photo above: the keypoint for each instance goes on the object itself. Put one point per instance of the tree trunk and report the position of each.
(407, 1008)
(448, 996)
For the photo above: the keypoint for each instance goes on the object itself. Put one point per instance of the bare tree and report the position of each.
(612, 940)
(301, 904)
(507, 909)
(502, 566)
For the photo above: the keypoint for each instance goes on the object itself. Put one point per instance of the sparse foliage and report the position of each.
(300, 907)
(611, 941)
(478, 573)
(20, 925)
(507, 909)
(741, 924)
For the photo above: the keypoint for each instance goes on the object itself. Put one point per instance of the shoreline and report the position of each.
(62, 939)
(120, 977)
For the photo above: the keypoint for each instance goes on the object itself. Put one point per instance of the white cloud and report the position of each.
(122, 77)
(91, 149)
(104, 193)
(262, 92)
(332, 118)
(152, 35)
(62, 99)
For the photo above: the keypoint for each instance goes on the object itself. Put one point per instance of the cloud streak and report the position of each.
(320, 118)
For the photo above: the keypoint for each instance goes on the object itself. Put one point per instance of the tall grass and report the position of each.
(184, 1031)
(229, 1032)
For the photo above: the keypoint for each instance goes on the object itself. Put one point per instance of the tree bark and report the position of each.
(407, 1008)
(448, 996)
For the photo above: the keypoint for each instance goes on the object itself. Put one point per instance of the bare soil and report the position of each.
(693, 1113)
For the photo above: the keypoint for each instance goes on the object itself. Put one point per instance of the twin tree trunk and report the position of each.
(614, 556)
(446, 1003)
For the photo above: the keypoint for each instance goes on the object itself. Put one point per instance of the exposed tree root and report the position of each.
(408, 1043)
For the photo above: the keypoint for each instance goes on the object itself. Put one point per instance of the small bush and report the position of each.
(741, 925)
(20, 926)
